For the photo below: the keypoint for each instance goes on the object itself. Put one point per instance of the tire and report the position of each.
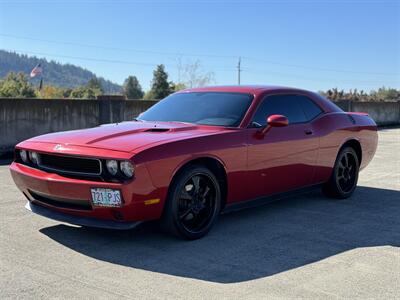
(343, 180)
(193, 203)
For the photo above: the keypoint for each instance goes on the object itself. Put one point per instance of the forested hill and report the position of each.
(54, 73)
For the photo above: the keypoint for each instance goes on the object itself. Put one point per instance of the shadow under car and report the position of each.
(252, 243)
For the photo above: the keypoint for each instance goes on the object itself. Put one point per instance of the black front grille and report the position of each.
(70, 165)
(61, 203)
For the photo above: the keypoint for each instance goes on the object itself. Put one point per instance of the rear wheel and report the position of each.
(193, 203)
(344, 176)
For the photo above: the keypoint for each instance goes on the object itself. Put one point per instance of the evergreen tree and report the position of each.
(132, 88)
(90, 91)
(95, 84)
(160, 87)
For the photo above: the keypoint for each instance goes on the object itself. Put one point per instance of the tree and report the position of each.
(83, 92)
(132, 88)
(178, 86)
(51, 92)
(193, 75)
(95, 84)
(17, 86)
(67, 93)
(90, 91)
(383, 94)
(160, 87)
(386, 94)
(149, 96)
(54, 73)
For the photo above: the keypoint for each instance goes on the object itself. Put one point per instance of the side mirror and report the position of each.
(275, 121)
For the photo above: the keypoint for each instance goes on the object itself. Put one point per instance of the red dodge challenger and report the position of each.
(194, 154)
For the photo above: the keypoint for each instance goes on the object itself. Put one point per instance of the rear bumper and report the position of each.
(76, 220)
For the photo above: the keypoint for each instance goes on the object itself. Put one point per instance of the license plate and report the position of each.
(106, 197)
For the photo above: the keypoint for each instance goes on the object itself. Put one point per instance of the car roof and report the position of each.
(257, 90)
(250, 89)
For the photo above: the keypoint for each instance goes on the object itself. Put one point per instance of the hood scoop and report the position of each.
(157, 130)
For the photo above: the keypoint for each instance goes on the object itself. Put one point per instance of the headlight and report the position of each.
(127, 168)
(112, 166)
(24, 156)
(34, 156)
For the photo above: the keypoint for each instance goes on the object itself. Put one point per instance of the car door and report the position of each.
(284, 158)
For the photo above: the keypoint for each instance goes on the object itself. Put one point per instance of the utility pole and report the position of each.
(239, 70)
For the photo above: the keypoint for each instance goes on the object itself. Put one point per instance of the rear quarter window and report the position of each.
(311, 110)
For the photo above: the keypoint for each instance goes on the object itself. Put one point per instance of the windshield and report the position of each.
(207, 108)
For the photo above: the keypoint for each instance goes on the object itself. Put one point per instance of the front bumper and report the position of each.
(76, 220)
(135, 194)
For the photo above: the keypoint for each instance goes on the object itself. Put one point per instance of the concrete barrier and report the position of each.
(384, 113)
(21, 119)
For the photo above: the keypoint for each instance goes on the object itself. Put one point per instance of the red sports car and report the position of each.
(194, 154)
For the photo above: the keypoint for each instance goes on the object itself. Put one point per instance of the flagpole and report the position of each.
(41, 83)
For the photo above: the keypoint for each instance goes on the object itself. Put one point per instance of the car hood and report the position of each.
(127, 136)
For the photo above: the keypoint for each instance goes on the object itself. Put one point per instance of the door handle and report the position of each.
(308, 131)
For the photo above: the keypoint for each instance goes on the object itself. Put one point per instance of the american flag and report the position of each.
(36, 71)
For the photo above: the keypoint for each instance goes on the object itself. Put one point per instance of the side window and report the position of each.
(310, 109)
(286, 105)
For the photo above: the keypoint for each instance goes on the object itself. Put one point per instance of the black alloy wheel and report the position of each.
(344, 176)
(193, 203)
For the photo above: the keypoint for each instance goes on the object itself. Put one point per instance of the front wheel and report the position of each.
(193, 203)
(344, 176)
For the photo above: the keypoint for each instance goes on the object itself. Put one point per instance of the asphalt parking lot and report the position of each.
(303, 247)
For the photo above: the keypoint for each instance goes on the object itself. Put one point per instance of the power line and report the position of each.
(116, 48)
(317, 68)
(196, 55)
(280, 74)
(220, 68)
(226, 68)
